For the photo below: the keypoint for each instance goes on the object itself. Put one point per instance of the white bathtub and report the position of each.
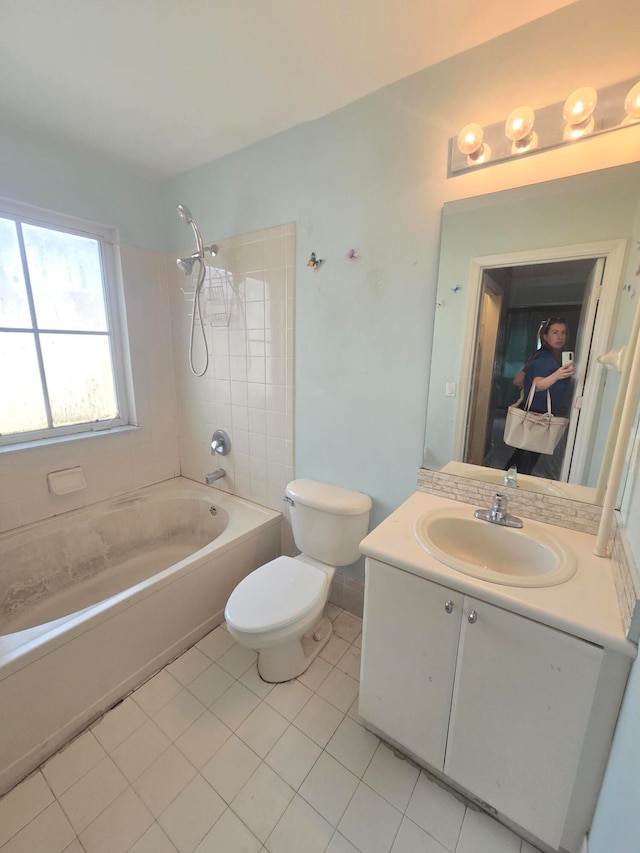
(94, 601)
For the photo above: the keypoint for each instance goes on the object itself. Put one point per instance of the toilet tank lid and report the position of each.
(328, 498)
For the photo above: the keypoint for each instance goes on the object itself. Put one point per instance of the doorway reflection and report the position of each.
(515, 302)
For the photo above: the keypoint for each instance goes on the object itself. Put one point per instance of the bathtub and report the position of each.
(95, 601)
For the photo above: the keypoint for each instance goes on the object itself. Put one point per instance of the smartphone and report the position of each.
(566, 358)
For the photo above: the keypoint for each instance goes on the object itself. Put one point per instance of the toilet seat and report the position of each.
(275, 595)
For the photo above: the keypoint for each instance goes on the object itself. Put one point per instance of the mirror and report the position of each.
(559, 246)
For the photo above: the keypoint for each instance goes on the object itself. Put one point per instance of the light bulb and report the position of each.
(470, 139)
(471, 142)
(519, 124)
(632, 102)
(519, 129)
(579, 106)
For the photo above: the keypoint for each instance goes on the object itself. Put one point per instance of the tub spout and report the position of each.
(215, 475)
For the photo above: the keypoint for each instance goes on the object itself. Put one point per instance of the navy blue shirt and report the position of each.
(543, 364)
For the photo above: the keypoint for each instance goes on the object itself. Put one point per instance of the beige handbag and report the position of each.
(539, 432)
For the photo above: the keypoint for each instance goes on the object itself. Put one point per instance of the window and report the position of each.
(61, 365)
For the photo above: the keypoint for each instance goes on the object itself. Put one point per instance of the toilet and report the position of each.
(278, 608)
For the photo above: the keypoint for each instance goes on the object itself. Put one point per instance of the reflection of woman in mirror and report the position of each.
(545, 371)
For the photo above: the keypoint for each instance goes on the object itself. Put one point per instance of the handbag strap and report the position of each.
(532, 391)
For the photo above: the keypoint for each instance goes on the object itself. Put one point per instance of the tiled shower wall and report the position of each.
(248, 309)
(112, 463)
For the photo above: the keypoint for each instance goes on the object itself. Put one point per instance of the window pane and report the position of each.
(14, 308)
(21, 402)
(66, 279)
(79, 378)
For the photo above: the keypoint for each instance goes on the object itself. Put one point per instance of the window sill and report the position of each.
(65, 439)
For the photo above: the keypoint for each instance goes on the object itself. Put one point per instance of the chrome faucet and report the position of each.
(511, 478)
(215, 475)
(498, 513)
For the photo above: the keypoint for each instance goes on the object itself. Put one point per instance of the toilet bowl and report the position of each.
(278, 608)
(278, 611)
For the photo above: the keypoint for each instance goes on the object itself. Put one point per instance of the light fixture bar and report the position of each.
(551, 127)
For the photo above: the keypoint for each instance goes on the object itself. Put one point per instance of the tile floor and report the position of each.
(206, 757)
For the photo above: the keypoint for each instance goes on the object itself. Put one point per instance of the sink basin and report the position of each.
(491, 552)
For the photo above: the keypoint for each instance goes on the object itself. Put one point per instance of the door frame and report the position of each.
(613, 252)
(496, 294)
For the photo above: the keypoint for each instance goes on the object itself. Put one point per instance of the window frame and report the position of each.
(107, 239)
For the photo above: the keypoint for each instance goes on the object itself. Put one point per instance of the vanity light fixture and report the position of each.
(585, 113)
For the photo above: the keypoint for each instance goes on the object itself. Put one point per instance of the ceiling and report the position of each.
(158, 87)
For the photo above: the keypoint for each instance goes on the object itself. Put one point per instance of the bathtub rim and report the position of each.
(20, 648)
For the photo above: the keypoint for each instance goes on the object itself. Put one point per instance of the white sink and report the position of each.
(492, 552)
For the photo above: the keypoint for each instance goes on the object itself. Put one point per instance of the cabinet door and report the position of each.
(521, 704)
(409, 647)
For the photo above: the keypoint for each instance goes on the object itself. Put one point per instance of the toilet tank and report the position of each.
(328, 522)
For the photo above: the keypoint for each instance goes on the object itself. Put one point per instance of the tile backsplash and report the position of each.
(551, 510)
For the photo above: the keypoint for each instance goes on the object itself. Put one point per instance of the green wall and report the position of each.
(35, 171)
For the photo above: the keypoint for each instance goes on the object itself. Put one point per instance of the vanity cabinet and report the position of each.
(497, 703)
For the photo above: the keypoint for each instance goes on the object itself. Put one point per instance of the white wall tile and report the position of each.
(257, 395)
(257, 421)
(238, 368)
(254, 288)
(256, 369)
(258, 445)
(276, 426)
(249, 384)
(254, 312)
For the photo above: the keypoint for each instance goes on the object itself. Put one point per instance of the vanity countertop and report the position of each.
(585, 606)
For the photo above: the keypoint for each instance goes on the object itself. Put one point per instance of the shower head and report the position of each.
(185, 213)
(185, 265)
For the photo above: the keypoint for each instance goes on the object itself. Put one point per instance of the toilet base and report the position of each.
(284, 661)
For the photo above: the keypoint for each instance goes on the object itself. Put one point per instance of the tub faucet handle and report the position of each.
(220, 442)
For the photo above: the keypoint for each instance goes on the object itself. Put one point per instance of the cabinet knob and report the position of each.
(473, 616)
(449, 607)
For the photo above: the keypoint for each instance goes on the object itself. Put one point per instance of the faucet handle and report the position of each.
(220, 442)
(511, 477)
(499, 508)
